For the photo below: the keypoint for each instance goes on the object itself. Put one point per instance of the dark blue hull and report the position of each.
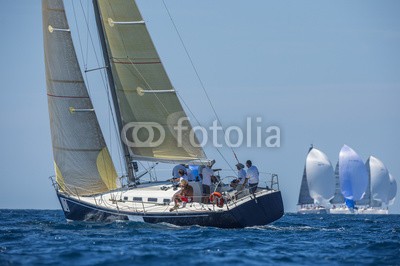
(260, 211)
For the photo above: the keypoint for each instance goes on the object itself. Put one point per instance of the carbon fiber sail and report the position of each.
(304, 194)
(82, 161)
(338, 197)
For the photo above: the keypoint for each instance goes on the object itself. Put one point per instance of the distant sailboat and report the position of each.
(318, 181)
(142, 96)
(353, 178)
(379, 184)
(377, 194)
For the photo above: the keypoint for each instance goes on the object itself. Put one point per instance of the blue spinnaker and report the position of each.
(350, 203)
(353, 174)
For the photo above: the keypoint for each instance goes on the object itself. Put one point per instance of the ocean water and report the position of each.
(44, 237)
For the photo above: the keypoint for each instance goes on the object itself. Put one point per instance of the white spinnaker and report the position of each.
(379, 178)
(392, 189)
(320, 177)
(353, 174)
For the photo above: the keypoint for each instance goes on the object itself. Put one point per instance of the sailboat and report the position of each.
(353, 179)
(318, 181)
(381, 189)
(86, 181)
(378, 188)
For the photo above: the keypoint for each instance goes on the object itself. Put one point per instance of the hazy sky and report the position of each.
(325, 72)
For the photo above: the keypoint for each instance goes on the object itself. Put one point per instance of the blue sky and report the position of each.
(325, 72)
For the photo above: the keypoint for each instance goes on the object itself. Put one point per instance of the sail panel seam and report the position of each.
(76, 150)
(56, 9)
(135, 63)
(70, 97)
(65, 81)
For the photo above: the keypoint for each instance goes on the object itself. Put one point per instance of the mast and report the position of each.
(128, 158)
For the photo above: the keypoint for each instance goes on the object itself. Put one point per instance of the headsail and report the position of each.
(320, 177)
(82, 162)
(148, 104)
(353, 175)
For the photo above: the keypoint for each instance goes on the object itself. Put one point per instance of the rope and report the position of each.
(198, 122)
(197, 74)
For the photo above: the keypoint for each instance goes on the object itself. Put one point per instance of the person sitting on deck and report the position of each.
(185, 195)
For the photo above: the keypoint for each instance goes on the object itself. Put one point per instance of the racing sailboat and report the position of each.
(317, 186)
(353, 179)
(377, 193)
(146, 107)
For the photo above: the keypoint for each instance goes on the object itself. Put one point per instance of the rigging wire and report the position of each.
(102, 75)
(79, 36)
(137, 70)
(87, 32)
(198, 122)
(197, 74)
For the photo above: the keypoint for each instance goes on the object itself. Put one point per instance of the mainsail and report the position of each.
(353, 175)
(147, 102)
(320, 177)
(338, 197)
(304, 194)
(82, 161)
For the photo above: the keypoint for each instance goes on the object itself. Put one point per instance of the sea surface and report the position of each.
(44, 237)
